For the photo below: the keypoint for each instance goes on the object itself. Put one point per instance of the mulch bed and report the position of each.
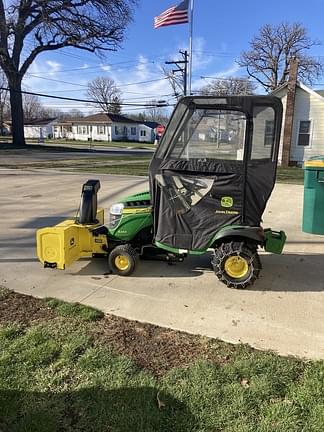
(23, 309)
(154, 348)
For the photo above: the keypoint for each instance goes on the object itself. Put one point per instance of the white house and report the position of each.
(147, 131)
(39, 128)
(308, 122)
(104, 127)
(63, 130)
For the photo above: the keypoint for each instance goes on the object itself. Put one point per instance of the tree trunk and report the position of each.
(1, 114)
(17, 113)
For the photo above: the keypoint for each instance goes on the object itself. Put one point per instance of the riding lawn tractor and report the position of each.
(210, 179)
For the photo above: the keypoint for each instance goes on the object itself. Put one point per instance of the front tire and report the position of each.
(237, 264)
(123, 260)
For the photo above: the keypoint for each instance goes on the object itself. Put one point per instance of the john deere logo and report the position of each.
(227, 202)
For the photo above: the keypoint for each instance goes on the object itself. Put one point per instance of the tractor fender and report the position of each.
(252, 233)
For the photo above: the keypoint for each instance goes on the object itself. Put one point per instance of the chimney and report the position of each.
(289, 116)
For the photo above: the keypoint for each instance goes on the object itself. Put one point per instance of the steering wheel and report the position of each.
(194, 183)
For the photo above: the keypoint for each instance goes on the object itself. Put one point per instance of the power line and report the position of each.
(101, 68)
(224, 79)
(100, 65)
(215, 53)
(81, 100)
(84, 85)
(55, 80)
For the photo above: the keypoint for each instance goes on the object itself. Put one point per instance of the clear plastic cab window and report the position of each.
(263, 132)
(211, 134)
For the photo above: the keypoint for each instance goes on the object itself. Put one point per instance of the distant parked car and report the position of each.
(4, 131)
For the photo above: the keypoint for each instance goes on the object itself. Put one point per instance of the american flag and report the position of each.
(174, 15)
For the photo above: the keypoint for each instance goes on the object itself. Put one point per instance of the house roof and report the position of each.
(151, 124)
(104, 118)
(303, 87)
(39, 122)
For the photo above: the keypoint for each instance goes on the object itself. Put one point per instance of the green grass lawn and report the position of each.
(284, 175)
(68, 371)
(128, 165)
(86, 144)
(139, 169)
(292, 175)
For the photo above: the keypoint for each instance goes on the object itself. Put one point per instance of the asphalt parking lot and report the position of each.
(283, 311)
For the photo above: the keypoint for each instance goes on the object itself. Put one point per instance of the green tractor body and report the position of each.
(130, 217)
(210, 179)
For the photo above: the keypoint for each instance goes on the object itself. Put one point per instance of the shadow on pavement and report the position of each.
(94, 409)
(146, 268)
(43, 221)
(17, 260)
(291, 273)
(287, 272)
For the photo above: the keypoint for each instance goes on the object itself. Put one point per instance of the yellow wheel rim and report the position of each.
(121, 262)
(236, 267)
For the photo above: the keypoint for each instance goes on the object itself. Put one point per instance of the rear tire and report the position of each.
(123, 260)
(237, 264)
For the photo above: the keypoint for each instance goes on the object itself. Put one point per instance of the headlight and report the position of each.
(116, 211)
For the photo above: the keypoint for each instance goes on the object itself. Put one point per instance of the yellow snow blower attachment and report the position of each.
(86, 235)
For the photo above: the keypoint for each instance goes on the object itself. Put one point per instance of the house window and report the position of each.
(82, 130)
(304, 133)
(143, 133)
(101, 129)
(133, 130)
(269, 132)
(121, 130)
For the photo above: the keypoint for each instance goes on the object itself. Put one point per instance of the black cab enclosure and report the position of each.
(215, 166)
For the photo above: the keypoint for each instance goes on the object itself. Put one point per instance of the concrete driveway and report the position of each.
(283, 311)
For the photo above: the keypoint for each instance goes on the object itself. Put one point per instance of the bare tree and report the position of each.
(229, 86)
(116, 105)
(105, 92)
(33, 109)
(91, 25)
(156, 113)
(270, 53)
(74, 113)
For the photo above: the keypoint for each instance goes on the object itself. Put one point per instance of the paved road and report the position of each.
(283, 311)
(9, 157)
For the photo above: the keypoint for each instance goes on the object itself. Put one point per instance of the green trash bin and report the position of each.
(313, 214)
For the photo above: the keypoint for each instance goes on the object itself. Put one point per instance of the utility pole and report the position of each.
(183, 70)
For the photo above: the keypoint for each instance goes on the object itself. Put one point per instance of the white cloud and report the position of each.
(53, 67)
(199, 58)
(105, 68)
(142, 68)
(231, 71)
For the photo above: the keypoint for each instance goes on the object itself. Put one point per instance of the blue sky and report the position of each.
(221, 31)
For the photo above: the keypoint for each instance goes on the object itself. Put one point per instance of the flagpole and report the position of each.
(190, 45)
